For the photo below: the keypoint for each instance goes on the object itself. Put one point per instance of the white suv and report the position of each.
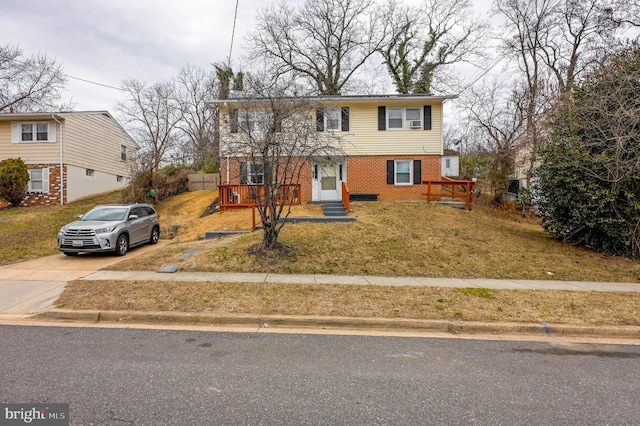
(110, 228)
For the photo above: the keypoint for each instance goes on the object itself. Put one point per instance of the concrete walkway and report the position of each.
(28, 291)
(363, 280)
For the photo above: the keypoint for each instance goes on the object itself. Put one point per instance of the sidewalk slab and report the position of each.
(392, 281)
(443, 282)
(290, 279)
(341, 279)
(594, 286)
(239, 277)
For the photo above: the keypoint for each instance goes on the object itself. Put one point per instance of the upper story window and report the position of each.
(123, 152)
(332, 119)
(250, 121)
(404, 118)
(27, 132)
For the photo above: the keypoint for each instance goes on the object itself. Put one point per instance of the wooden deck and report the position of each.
(438, 190)
(244, 196)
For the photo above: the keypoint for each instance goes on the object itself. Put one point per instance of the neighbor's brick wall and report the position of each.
(43, 199)
(55, 187)
(368, 175)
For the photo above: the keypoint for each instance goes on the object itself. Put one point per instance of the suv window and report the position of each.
(138, 211)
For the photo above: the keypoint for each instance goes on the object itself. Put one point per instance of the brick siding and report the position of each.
(365, 175)
(368, 175)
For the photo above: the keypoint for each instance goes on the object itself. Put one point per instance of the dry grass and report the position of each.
(396, 239)
(558, 307)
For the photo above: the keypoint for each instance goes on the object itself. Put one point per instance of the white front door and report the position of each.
(327, 182)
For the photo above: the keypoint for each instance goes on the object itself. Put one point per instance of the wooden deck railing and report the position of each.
(449, 188)
(244, 196)
(345, 197)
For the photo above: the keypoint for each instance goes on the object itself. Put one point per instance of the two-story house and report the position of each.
(69, 154)
(392, 143)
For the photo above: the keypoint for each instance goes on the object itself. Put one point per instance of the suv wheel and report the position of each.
(155, 235)
(122, 245)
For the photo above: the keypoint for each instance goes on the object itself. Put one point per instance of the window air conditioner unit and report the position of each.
(416, 124)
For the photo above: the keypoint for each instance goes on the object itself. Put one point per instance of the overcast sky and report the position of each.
(107, 41)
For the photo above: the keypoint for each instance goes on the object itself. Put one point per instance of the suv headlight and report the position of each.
(105, 230)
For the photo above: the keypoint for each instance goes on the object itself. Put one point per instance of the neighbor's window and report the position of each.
(33, 132)
(30, 132)
(118, 178)
(38, 180)
(123, 152)
(403, 172)
(447, 163)
(89, 172)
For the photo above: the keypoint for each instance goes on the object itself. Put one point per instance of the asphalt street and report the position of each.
(159, 377)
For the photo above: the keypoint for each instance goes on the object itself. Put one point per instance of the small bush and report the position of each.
(14, 178)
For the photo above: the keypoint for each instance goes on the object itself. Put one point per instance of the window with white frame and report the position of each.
(251, 173)
(88, 172)
(123, 152)
(39, 180)
(332, 119)
(30, 132)
(403, 172)
(404, 118)
(255, 121)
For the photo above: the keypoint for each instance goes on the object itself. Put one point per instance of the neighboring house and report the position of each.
(392, 144)
(69, 154)
(450, 163)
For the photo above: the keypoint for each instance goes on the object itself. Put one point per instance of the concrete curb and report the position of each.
(342, 323)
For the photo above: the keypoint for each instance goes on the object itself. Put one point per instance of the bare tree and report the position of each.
(324, 42)
(30, 83)
(623, 13)
(554, 42)
(501, 122)
(277, 136)
(194, 88)
(153, 115)
(425, 38)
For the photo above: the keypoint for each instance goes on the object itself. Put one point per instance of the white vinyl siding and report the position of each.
(364, 138)
(103, 138)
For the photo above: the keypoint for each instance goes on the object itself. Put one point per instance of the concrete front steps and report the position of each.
(334, 209)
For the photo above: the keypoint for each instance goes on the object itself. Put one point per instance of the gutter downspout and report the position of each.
(228, 170)
(61, 160)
